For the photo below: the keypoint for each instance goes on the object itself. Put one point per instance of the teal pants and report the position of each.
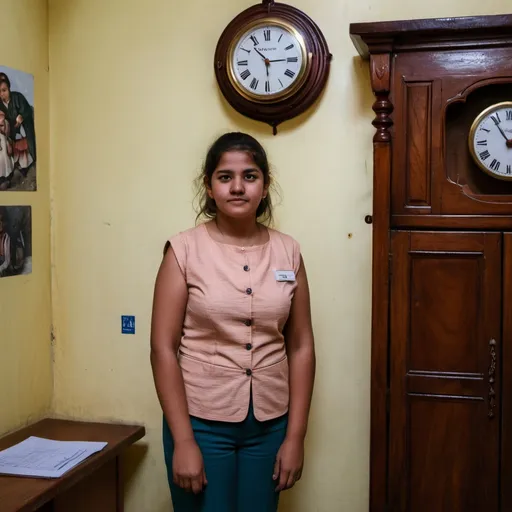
(239, 461)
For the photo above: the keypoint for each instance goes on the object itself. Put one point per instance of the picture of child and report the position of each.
(18, 154)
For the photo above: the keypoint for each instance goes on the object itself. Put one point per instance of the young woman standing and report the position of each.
(232, 346)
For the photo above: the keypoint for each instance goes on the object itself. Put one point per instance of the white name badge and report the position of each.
(284, 275)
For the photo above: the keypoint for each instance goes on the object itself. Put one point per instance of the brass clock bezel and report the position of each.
(474, 126)
(303, 72)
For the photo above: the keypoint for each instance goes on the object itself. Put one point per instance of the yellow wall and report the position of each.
(25, 302)
(134, 106)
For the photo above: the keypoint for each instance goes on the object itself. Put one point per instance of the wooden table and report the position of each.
(96, 484)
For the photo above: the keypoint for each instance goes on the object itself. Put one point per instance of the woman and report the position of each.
(20, 115)
(232, 346)
(6, 151)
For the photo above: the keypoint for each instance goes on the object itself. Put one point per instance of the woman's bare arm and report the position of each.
(169, 304)
(302, 363)
(301, 354)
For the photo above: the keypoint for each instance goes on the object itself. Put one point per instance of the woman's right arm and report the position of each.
(169, 305)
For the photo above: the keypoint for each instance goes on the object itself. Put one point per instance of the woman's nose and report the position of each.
(237, 186)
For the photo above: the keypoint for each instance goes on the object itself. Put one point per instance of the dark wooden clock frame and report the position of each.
(275, 113)
(441, 366)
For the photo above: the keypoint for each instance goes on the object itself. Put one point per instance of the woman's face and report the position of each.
(237, 185)
(4, 92)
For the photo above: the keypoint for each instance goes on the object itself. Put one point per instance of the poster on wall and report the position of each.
(15, 240)
(17, 131)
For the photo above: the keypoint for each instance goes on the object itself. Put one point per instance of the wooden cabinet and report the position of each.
(445, 337)
(441, 377)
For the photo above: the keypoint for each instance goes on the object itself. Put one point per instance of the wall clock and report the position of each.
(272, 62)
(490, 140)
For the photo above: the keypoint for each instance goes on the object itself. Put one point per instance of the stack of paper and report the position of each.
(45, 458)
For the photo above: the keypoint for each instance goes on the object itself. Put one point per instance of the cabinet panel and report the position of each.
(417, 159)
(506, 355)
(448, 344)
(412, 149)
(445, 372)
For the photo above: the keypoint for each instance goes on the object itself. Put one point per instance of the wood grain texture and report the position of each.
(380, 307)
(441, 426)
(444, 313)
(98, 492)
(431, 33)
(28, 494)
(506, 358)
(417, 147)
(452, 221)
(412, 145)
(380, 69)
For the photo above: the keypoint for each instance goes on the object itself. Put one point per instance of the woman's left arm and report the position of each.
(300, 348)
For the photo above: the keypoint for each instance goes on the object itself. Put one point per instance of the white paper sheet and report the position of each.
(45, 458)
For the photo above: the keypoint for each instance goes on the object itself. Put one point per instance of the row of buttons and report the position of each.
(248, 322)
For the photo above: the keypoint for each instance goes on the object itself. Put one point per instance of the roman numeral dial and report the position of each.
(268, 60)
(490, 140)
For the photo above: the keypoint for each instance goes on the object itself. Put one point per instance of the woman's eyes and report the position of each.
(249, 177)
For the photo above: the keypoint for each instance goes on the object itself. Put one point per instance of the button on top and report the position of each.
(248, 372)
(246, 268)
(248, 346)
(248, 291)
(248, 322)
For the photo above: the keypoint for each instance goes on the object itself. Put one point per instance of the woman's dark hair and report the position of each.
(233, 141)
(5, 79)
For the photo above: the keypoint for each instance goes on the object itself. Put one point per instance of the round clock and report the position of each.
(272, 62)
(490, 140)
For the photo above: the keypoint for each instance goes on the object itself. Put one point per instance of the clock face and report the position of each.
(268, 61)
(490, 140)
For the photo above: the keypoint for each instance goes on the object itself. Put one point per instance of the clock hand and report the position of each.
(502, 132)
(500, 129)
(509, 141)
(263, 56)
(278, 60)
(267, 62)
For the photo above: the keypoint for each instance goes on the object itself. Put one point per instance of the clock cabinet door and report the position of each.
(437, 97)
(445, 410)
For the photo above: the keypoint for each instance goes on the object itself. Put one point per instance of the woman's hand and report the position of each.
(19, 120)
(188, 467)
(289, 463)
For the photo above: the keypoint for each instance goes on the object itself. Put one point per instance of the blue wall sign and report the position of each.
(128, 324)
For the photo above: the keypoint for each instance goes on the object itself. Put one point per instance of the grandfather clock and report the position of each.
(441, 391)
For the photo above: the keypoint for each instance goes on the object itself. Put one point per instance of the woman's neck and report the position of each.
(238, 231)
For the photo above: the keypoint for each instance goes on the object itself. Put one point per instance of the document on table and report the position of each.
(45, 458)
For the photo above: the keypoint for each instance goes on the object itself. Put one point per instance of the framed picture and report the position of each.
(15, 240)
(18, 155)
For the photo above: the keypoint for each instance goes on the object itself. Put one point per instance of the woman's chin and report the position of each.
(241, 211)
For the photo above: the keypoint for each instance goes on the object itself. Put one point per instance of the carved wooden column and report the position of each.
(380, 68)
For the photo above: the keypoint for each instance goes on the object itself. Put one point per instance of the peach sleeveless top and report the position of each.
(232, 342)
